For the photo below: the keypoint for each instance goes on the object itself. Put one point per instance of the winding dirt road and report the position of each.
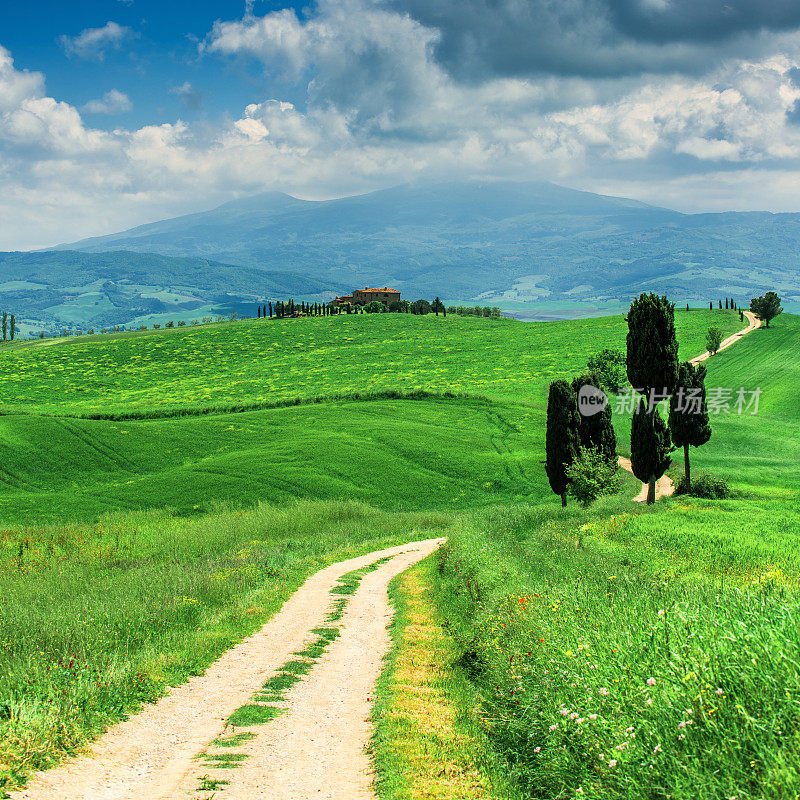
(754, 321)
(665, 486)
(314, 749)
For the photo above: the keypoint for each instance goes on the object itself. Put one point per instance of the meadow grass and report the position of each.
(614, 662)
(97, 619)
(268, 361)
(397, 454)
(759, 453)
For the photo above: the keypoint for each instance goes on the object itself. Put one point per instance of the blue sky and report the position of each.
(119, 112)
(158, 53)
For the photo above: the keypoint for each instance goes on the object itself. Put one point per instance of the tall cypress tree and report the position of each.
(5, 326)
(562, 440)
(13, 326)
(596, 431)
(652, 370)
(650, 447)
(688, 413)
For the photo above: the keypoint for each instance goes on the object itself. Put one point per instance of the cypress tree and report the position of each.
(687, 306)
(562, 440)
(13, 326)
(710, 306)
(720, 304)
(688, 413)
(596, 431)
(726, 303)
(5, 326)
(259, 312)
(652, 363)
(650, 447)
(270, 309)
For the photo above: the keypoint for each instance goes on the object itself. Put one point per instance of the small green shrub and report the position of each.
(590, 476)
(706, 486)
(713, 340)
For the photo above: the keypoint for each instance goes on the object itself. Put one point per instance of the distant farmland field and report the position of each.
(264, 362)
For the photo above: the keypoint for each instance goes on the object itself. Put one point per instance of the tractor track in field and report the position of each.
(665, 486)
(122, 462)
(315, 744)
(499, 442)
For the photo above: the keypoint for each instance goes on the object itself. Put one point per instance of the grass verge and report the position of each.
(426, 742)
(613, 663)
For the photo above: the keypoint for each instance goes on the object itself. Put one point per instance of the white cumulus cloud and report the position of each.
(92, 43)
(371, 106)
(112, 102)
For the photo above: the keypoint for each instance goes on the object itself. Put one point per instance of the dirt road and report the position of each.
(314, 749)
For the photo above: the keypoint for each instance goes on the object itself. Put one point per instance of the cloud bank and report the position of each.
(687, 104)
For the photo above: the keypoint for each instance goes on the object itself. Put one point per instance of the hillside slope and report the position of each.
(72, 289)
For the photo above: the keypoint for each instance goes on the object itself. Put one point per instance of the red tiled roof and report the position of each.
(384, 289)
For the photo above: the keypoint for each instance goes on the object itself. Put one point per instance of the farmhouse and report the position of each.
(363, 296)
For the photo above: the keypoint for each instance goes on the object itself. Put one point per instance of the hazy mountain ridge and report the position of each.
(463, 241)
(469, 239)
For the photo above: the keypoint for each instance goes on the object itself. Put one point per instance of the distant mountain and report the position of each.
(52, 290)
(486, 241)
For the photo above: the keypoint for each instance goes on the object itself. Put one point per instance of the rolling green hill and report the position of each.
(162, 439)
(162, 492)
(251, 363)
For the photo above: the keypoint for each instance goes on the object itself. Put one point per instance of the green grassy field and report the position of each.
(135, 547)
(760, 453)
(632, 653)
(649, 653)
(253, 362)
(465, 451)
